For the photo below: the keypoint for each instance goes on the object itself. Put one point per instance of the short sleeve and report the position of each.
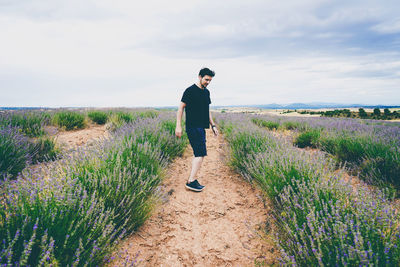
(186, 96)
(209, 99)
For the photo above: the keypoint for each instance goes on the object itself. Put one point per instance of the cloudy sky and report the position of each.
(107, 53)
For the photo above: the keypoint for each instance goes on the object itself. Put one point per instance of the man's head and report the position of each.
(205, 77)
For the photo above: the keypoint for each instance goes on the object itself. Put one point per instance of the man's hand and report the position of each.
(178, 128)
(178, 132)
(215, 130)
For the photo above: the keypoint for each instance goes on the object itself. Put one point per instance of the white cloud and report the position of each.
(125, 53)
(392, 26)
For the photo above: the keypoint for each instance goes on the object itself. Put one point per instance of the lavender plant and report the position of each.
(14, 151)
(328, 224)
(44, 149)
(17, 147)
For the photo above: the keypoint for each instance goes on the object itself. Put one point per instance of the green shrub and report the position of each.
(349, 149)
(328, 144)
(270, 125)
(98, 117)
(69, 120)
(377, 112)
(362, 113)
(308, 138)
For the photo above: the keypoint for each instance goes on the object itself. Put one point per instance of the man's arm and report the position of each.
(213, 127)
(178, 128)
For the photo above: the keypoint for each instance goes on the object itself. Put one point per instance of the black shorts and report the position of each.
(197, 139)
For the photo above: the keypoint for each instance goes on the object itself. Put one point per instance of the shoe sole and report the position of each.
(193, 189)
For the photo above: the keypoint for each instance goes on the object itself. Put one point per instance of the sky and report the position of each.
(81, 53)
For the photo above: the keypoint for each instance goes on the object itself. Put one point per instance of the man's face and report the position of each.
(205, 81)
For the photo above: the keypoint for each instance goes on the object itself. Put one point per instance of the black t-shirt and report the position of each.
(197, 107)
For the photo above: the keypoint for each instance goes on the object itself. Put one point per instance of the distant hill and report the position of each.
(20, 108)
(315, 105)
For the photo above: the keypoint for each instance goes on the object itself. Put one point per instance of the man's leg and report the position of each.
(196, 164)
(197, 139)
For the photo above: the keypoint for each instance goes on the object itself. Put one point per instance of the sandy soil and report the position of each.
(69, 141)
(221, 226)
(76, 138)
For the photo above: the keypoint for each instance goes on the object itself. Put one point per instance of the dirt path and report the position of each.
(217, 227)
(76, 138)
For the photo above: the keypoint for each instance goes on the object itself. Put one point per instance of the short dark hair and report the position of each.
(206, 71)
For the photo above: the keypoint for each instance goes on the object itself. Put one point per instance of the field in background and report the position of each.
(291, 113)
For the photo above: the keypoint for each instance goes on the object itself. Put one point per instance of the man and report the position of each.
(196, 101)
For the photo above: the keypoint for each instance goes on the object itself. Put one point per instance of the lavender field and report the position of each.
(75, 209)
(321, 220)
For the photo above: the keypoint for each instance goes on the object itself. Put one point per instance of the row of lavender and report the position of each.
(32, 123)
(75, 211)
(319, 219)
(370, 148)
(18, 151)
(24, 140)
